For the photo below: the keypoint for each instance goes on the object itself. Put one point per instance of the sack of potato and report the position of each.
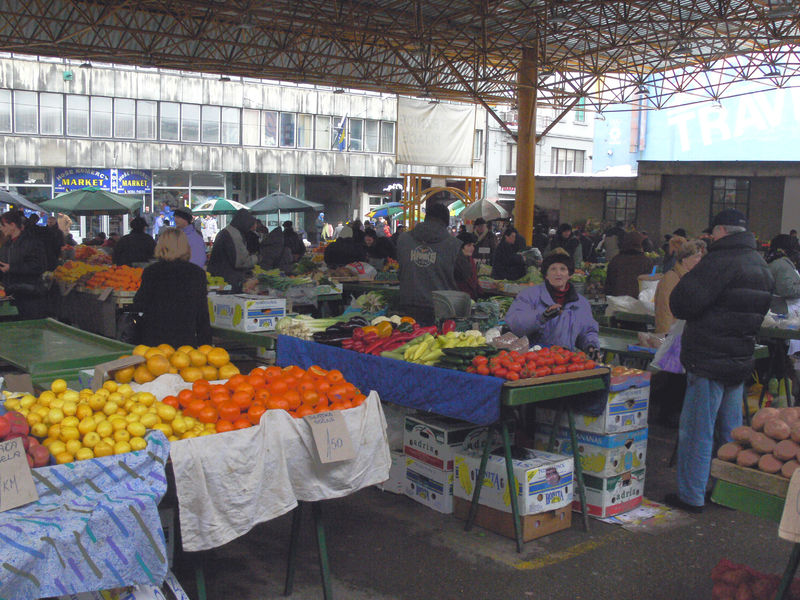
(204, 362)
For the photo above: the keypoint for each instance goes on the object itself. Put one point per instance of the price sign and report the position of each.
(16, 483)
(331, 436)
(102, 296)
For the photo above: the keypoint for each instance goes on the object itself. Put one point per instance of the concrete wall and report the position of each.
(766, 206)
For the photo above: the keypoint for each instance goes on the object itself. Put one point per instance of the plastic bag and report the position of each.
(629, 304)
(668, 356)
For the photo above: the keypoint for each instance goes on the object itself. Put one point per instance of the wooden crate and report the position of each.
(774, 485)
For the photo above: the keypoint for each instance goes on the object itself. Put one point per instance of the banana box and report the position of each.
(429, 486)
(601, 455)
(245, 312)
(543, 480)
(435, 439)
(608, 496)
(624, 411)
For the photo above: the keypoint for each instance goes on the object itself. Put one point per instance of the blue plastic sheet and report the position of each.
(472, 398)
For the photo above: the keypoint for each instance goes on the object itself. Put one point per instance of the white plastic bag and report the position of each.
(629, 304)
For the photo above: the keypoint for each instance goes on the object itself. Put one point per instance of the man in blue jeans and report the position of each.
(723, 300)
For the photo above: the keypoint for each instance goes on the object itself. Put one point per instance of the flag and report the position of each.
(341, 134)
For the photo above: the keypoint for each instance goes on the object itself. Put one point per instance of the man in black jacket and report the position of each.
(723, 300)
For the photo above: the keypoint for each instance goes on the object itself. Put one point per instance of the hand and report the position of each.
(594, 353)
(551, 312)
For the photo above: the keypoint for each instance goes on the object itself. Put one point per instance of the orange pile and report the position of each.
(122, 278)
(240, 401)
(205, 362)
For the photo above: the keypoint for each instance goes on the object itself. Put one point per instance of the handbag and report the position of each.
(668, 355)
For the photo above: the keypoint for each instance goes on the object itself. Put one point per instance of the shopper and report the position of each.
(466, 273)
(136, 247)
(229, 256)
(22, 261)
(183, 221)
(427, 256)
(292, 241)
(564, 239)
(343, 250)
(723, 300)
(622, 274)
(172, 297)
(671, 247)
(508, 263)
(273, 254)
(612, 239)
(787, 280)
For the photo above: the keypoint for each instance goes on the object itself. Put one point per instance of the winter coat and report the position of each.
(485, 246)
(229, 257)
(723, 299)
(427, 257)
(382, 248)
(507, 262)
(787, 283)
(173, 301)
(271, 252)
(466, 275)
(134, 248)
(664, 316)
(622, 274)
(342, 252)
(572, 245)
(197, 245)
(27, 260)
(292, 240)
(574, 327)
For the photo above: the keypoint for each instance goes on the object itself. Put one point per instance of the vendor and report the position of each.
(507, 262)
(230, 258)
(466, 271)
(378, 248)
(173, 296)
(22, 261)
(344, 250)
(553, 313)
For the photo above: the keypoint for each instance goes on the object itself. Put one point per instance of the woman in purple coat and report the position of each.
(553, 313)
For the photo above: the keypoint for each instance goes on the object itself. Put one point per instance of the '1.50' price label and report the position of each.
(331, 436)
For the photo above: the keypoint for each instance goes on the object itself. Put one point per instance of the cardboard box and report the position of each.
(429, 486)
(543, 480)
(396, 483)
(624, 411)
(106, 370)
(435, 439)
(601, 455)
(533, 526)
(608, 496)
(245, 312)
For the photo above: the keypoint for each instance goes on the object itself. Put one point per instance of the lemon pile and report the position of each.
(205, 362)
(112, 420)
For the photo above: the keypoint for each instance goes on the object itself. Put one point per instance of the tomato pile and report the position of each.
(514, 365)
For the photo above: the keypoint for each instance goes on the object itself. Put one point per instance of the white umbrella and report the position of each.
(483, 208)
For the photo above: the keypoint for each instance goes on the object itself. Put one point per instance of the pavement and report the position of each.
(387, 546)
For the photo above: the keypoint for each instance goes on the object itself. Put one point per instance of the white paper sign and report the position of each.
(16, 483)
(331, 436)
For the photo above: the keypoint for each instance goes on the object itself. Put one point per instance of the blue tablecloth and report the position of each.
(94, 527)
(472, 398)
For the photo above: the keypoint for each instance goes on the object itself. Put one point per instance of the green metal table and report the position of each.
(532, 391)
(258, 339)
(48, 350)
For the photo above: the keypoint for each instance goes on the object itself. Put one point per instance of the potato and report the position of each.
(769, 464)
(788, 468)
(796, 432)
(788, 415)
(786, 450)
(777, 429)
(742, 434)
(747, 458)
(762, 416)
(728, 452)
(762, 444)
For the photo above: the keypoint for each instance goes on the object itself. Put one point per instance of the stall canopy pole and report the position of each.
(526, 144)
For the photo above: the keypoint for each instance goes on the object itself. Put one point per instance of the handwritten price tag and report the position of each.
(331, 436)
(16, 483)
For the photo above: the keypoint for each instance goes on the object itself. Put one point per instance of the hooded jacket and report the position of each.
(427, 257)
(723, 299)
(229, 257)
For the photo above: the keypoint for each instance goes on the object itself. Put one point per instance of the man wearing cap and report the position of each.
(723, 301)
(183, 221)
(486, 241)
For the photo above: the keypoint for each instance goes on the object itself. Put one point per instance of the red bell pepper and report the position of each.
(448, 326)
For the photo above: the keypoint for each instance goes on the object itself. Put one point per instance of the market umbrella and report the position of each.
(456, 208)
(278, 202)
(9, 197)
(218, 206)
(92, 201)
(389, 209)
(484, 208)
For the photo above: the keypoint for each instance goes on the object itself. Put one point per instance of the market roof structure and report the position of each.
(603, 51)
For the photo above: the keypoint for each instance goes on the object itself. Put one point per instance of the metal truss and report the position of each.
(654, 53)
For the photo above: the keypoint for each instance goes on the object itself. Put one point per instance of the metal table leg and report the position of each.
(511, 482)
(292, 557)
(578, 468)
(324, 565)
(476, 494)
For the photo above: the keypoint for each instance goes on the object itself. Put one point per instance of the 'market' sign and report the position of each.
(121, 181)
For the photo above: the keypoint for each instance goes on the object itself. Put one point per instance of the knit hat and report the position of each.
(558, 257)
(346, 232)
(731, 217)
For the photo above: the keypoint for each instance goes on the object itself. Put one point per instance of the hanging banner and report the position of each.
(121, 181)
(440, 135)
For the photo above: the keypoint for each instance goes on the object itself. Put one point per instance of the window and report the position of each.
(338, 133)
(124, 118)
(478, 141)
(511, 165)
(356, 127)
(5, 111)
(372, 136)
(269, 128)
(190, 122)
(25, 120)
(566, 161)
(730, 192)
(101, 113)
(170, 121)
(211, 121)
(146, 116)
(78, 115)
(387, 138)
(620, 206)
(287, 130)
(322, 132)
(305, 131)
(580, 111)
(230, 125)
(51, 113)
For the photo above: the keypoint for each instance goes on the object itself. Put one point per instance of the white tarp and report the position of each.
(435, 134)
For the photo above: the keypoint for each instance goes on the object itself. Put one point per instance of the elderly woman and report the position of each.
(172, 297)
(687, 255)
(553, 313)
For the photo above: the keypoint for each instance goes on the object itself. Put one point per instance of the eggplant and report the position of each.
(358, 321)
(330, 338)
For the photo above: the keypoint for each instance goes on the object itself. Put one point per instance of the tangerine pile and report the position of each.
(240, 401)
(122, 278)
(204, 362)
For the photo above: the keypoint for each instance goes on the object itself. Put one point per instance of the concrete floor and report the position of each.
(385, 546)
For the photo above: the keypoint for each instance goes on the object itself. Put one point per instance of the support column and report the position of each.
(526, 143)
